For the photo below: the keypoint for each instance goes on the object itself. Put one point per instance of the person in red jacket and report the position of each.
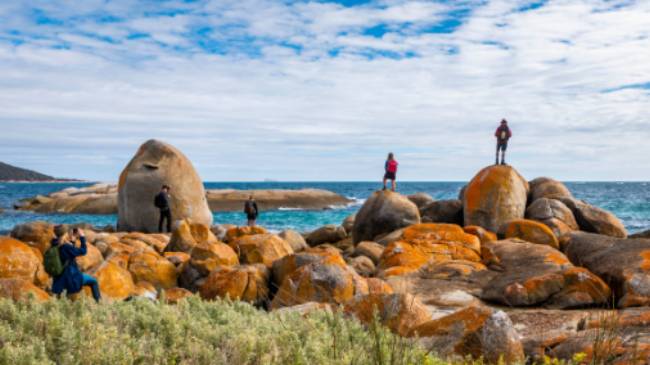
(390, 171)
(503, 134)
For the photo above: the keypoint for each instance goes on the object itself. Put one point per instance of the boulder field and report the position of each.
(512, 270)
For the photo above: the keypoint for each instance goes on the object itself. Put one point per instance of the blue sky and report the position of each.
(320, 90)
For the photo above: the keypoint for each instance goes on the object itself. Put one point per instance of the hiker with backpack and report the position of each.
(251, 210)
(161, 201)
(59, 261)
(390, 168)
(503, 134)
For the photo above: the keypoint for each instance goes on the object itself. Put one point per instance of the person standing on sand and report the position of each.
(162, 203)
(251, 210)
(70, 278)
(390, 171)
(502, 134)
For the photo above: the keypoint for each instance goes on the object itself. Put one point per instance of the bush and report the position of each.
(192, 332)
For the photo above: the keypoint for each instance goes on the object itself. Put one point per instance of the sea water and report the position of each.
(630, 201)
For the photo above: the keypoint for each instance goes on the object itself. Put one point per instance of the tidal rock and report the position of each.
(475, 331)
(330, 233)
(545, 187)
(314, 199)
(247, 283)
(400, 312)
(383, 212)
(36, 234)
(555, 214)
(595, 220)
(623, 263)
(495, 196)
(443, 211)
(525, 274)
(420, 199)
(155, 164)
(531, 231)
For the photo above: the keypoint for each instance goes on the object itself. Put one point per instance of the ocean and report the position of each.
(630, 201)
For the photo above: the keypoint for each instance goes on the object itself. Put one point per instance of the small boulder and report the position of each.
(150, 267)
(294, 239)
(154, 164)
(115, 282)
(495, 196)
(187, 235)
(247, 283)
(348, 223)
(369, 249)
(545, 187)
(420, 199)
(595, 220)
(207, 256)
(290, 263)
(555, 214)
(443, 211)
(175, 295)
(261, 248)
(483, 234)
(531, 231)
(400, 312)
(234, 233)
(362, 265)
(382, 213)
(36, 234)
(330, 233)
(20, 289)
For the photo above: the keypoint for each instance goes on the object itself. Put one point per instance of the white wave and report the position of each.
(290, 208)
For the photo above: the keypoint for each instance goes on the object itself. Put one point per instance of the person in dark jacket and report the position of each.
(162, 203)
(251, 210)
(72, 280)
(502, 134)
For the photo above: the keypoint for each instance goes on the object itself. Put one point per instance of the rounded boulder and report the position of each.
(383, 212)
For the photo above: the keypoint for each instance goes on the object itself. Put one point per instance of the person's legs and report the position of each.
(496, 162)
(168, 216)
(393, 185)
(93, 284)
(503, 153)
(160, 221)
(384, 183)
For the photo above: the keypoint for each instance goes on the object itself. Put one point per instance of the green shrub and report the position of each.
(192, 332)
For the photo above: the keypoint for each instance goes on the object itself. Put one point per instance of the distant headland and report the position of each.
(9, 173)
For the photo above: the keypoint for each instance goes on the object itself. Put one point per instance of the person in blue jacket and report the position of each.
(72, 280)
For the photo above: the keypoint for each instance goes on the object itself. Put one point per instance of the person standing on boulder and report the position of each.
(162, 203)
(251, 210)
(390, 171)
(502, 134)
(61, 263)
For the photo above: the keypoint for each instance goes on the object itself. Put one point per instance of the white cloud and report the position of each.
(299, 91)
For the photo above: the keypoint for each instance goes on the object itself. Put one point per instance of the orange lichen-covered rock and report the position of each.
(156, 241)
(475, 331)
(157, 270)
(175, 295)
(483, 234)
(177, 258)
(530, 274)
(422, 243)
(383, 212)
(21, 289)
(237, 232)
(18, 260)
(91, 260)
(261, 248)
(115, 282)
(496, 195)
(290, 263)
(326, 281)
(247, 283)
(207, 256)
(378, 286)
(624, 264)
(531, 231)
(36, 234)
(188, 234)
(399, 312)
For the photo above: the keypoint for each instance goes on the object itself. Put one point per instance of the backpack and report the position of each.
(159, 201)
(52, 262)
(249, 208)
(392, 166)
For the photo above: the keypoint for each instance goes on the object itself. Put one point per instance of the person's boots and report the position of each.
(503, 158)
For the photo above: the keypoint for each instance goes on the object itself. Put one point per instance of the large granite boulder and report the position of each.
(115, 281)
(261, 249)
(555, 214)
(526, 274)
(495, 196)
(400, 312)
(152, 268)
(383, 212)
(330, 233)
(443, 211)
(595, 220)
(189, 234)
(207, 256)
(19, 261)
(545, 187)
(623, 263)
(157, 163)
(247, 283)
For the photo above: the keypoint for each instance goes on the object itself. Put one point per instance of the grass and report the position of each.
(192, 332)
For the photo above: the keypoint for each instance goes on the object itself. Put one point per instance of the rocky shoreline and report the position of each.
(512, 271)
(101, 198)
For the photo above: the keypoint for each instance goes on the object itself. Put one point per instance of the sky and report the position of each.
(323, 90)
